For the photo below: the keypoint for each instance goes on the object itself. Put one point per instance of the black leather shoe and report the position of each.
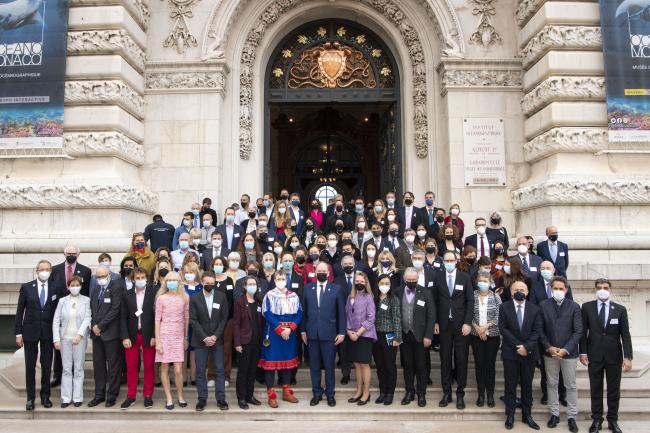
(408, 397)
(446, 399)
(553, 421)
(510, 421)
(530, 422)
(595, 426)
(222, 405)
(364, 402)
(315, 400)
(243, 405)
(388, 399)
(252, 400)
(331, 402)
(354, 399)
(490, 400)
(422, 400)
(29, 405)
(480, 401)
(95, 401)
(380, 399)
(460, 402)
(345, 380)
(200, 406)
(148, 402)
(55, 383)
(46, 402)
(613, 426)
(182, 403)
(573, 427)
(77, 403)
(110, 402)
(127, 403)
(64, 405)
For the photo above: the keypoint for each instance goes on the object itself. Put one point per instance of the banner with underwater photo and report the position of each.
(625, 26)
(33, 45)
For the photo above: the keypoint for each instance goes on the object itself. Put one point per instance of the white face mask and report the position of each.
(384, 288)
(280, 284)
(603, 294)
(102, 282)
(371, 253)
(417, 264)
(455, 212)
(294, 245)
(422, 233)
(190, 277)
(282, 210)
(216, 243)
(196, 241)
(44, 275)
(410, 239)
(506, 269)
(522, 249)
(233, 264)
(361, 225)
(277, 250)
(558, 295)
(480, 230)
(331, 244)
(390, 218)
(74, 290)
(105, 263)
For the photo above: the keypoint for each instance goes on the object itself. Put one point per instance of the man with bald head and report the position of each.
(554, 251)
(61, 274)
(520, 324)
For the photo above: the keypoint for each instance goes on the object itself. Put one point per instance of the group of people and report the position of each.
(273, 285)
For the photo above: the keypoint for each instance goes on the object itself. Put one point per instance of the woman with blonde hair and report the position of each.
(163, 267)
(282, 221)
(144, 257)
(268, 267)
(361, 334)
(387, 266)
(171, 329)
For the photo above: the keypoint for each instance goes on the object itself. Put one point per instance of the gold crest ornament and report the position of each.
(331, 62)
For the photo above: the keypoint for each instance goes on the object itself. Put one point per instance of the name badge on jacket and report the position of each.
(53, 298)
(562, 254)
(421, 303)
(613, 322)
(107, 300)
(458, 287)
(216, 306)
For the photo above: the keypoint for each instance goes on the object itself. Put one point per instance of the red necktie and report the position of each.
(68, 274)
(482, 248)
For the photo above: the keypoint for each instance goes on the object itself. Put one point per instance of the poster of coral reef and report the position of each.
(625, 26)
(33, 42)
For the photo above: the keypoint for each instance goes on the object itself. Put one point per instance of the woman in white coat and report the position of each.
(70, 329)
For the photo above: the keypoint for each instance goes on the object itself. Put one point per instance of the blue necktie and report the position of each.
(101, 294)
(553, 252)
(520, 316)
(601, 315)
(524, 262)
(430, 217)
(41, 296)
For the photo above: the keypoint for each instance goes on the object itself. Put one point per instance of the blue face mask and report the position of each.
(172, 285)
(268, 265)
(251, 290)
(378, 209)
(287, 266)
(429, 202)
(483, 286)
(249, 245)
(450, 267)
(184, 245)
(218, 269)
(546, 274)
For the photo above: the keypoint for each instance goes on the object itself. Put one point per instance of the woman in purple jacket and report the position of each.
(360, 315)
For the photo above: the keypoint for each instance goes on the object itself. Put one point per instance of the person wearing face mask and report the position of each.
(485, 339)
(454, 297)
(408, 215)
(520, 324)
(420, 236)
(231, 233)
(283, 314)
(184, 247)
(332, 254)
(555, 251)
(455, 219)
(316, 215)
(498, 259)
(296, 214)
(184, 227)
(265, 242)
(403, 252)
(291, 244)
(207, 228)
(70, 329)
(105, 304)
(159, 233)
(381, 243)
(104, 259)
(144, 257)
(432, 260)
(345, 280)
(137, 333)
(309, 269)
(268, 268)
(249, 250)
(208, 314)
(496, 232)
(388, 324)
(300, 256)
(362, 233)
(245, 206)
(560, 335)
(436, 227)
(530, 263)
(163, 267)
(370, 257)
(428, 214)
(512, 272)
(310, 232)
(322, 329)
(390, 200)
(37, 303)
(214, 249)
(448, 240)
(196, 215)
(392, 239)
(250, 223)
(479, 240)
(467, 263)
(606, 350)
(206, 209)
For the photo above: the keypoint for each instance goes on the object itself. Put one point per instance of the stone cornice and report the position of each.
(582, 192)
(526, 9)
(108, 92)
(77, 195)
(560, 37)
(137, 8)
(89, 42)
(565, 88)
(108, 143)
(504, 74)
(566, 140)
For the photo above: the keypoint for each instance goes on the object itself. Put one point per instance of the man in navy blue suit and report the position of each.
(554, 251)
(323, 328)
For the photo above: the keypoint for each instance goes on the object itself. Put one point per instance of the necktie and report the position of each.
(524, 262)
(350, 282)
(549, 292)
(520, 316)
(601, 314)
(101, 294)
(320, 293)
(430, 217)
(553, 252)
(68, 274)
(41, 296)
(482, 246)
(450, 287)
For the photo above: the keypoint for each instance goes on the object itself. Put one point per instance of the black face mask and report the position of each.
(339, 208)
(309, 226)
(449, 237)
(163, 272)
(322, 277)
(393, 233)
(348, 269)
(244, 205)
(430, 250)
(552, 238)
(519, 296)
(411, 284)
(495, 221)
(70, 259)
(252, 272)
(321, 246)
(284, 197)
(300, 259)
(345, 253)
(208, 288)
(440, 219)
(262, 209)
(470, 260)
(408, 201)
(339, 228)
(263, 236)
(376, 233)
(126, 272)
(252, 215)
(360, 287)
(314, 257)
(315, 206)
(498, 251)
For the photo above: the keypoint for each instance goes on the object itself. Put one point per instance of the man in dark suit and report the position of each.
(231, 233)
(428, 211)
(105, 305)
(605, 348)
(137, 332)
(61, 274)
(322, 328)
(479, 240)
(418, 319)
(393, 239)
(380, 242)
(453, 294)
(208, 317)
(216, 249)
(37, 303)
(297, 214)
(554, 251)
(530, 263)
(520, 324)
(408, 215)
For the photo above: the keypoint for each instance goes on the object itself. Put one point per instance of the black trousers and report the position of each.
(384, 356)
(485, 357)
(413, 358)
(518, 372)
(561, 390)
(344, 364)
(107, 367)
(245, 382)
(598, 369)
(31, 354)
(284, 376)
(453, 346)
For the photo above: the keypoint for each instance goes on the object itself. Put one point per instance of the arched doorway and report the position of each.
(332, 112)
